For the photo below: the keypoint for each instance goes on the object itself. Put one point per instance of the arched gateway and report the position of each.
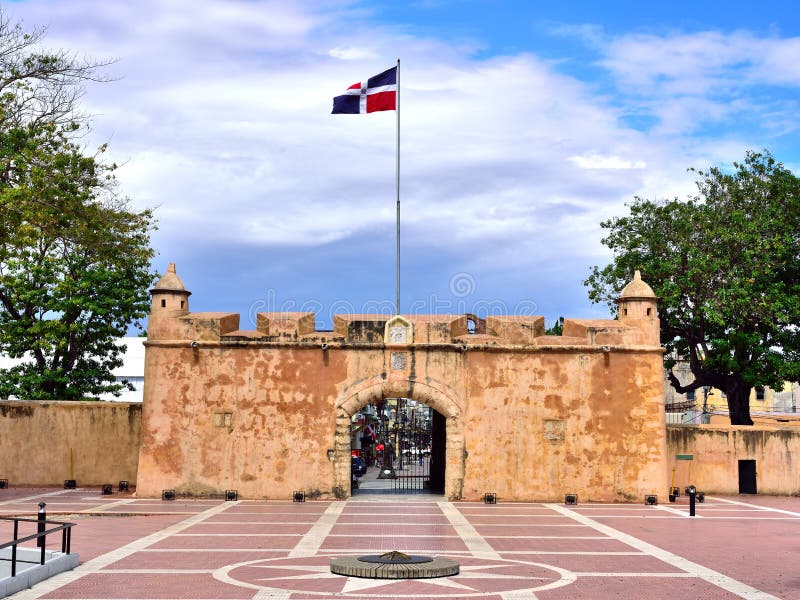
(528, 416)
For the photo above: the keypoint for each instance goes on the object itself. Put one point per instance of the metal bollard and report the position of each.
(40, 527)
(692, 496)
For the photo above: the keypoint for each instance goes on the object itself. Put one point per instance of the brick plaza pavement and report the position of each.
(736, 547)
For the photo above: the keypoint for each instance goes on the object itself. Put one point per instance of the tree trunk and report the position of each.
(739, 402)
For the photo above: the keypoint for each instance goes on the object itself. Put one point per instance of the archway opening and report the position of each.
(398, 446)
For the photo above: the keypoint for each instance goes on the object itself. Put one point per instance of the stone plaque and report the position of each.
(399, 360)
(398, 334)
(398, 330)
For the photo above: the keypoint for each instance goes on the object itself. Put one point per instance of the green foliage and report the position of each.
(725, 266)
(74, 260)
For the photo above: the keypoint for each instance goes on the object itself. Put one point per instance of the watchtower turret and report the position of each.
(170, 299)
(638, 306)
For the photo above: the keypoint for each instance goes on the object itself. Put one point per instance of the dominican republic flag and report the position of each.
(378, 93)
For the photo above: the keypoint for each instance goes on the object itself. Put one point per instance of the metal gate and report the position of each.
(413, 436)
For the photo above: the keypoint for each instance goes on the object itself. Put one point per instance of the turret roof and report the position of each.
(637, 288)
(170, 282)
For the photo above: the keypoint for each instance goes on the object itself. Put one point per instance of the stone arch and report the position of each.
(438, 396)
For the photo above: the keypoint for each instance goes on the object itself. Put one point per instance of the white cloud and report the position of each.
(222, 120)
(691, 80)
(351, 53)
(599, 161)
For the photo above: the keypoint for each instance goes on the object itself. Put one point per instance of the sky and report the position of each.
(524, 125)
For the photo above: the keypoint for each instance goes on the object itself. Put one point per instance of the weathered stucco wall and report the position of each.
(534, 425)
(717, 449)
(44, 443)
(527, 416)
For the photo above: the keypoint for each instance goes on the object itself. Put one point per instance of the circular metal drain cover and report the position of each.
(395, 558)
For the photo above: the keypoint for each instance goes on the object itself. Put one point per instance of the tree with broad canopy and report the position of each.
(725, 265)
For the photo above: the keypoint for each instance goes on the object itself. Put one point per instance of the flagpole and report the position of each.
(397, 177)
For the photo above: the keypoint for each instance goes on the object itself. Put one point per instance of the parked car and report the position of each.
(358, 467)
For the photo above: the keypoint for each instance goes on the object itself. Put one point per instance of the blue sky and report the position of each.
(524, 125)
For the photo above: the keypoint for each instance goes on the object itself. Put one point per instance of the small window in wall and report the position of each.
(690, 395)
(760, 393)
(163, 303)
(183, 302)
(649, 311)
(471, 326)
(625, 312)
(223, 419)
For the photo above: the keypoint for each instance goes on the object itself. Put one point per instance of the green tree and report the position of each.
(725, 265)
(74, 258)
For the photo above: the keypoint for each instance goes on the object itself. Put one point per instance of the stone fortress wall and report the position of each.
(266, 412)
(528, 416)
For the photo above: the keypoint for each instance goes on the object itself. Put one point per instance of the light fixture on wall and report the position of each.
(168, 494)
(299, 496)
(106, 489)
(70, 484)
(571, 499)
(490, 498)
(123, 485)
(3, 484)
(651, 500)
(231, 495)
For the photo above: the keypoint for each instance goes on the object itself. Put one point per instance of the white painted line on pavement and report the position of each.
(473, 540)
(763, 508)
(714, 577)
(36, 497)
(311, 542)
(109, 505)
(624, 574)
(675, 511)
(97, 564)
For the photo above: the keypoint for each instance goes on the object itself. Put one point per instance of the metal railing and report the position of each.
(40, 536)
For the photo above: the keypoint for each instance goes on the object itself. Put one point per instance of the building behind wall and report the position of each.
(709, 405)
(525, 415)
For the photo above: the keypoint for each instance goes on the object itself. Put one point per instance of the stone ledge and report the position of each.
(352, 567)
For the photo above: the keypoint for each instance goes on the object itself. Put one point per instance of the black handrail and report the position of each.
(64, 528)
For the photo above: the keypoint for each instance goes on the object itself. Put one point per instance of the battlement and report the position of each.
(637, 325)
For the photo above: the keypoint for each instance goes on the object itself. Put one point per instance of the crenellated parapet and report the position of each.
(637, 325)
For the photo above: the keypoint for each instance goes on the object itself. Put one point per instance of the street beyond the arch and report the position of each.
(735, 547)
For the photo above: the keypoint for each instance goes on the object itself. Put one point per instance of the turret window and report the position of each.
(163, 303)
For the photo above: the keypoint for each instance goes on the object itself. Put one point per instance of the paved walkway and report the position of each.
(739, 547)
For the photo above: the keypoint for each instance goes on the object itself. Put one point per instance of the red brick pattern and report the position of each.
(213, 549)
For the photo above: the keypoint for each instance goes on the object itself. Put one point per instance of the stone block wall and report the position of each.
(44, 443)
(716, 450)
